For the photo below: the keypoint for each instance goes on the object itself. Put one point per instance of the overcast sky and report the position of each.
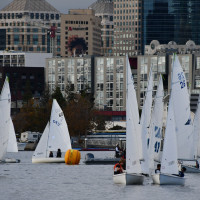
(60, 5)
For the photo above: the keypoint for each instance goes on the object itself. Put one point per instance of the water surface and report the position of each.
(23, 181)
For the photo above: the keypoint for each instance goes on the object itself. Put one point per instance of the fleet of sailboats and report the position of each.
(143, 136)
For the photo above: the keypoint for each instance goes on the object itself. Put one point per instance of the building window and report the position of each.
(35, 39)
(42, 16)
(57, 16)
(32, 16)
(35, 30)
(16, 39)
(52, 16)
(43, 39)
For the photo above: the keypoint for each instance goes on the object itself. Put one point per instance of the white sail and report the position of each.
(12, 141)
(58, 131)
(196, 131)
(145, 123)
(5, 105)
(169, 163)
(181, 104)
(156, 126)
(133, 137)
(41, 149)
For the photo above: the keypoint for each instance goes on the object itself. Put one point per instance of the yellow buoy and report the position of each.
(72, 157)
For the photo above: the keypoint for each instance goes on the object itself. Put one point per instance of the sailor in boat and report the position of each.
(122, 162)
(50, 154)
(117, 151)
(197, 164)
(157, 171)
(181, 173)
(59, 154)
(118, 169)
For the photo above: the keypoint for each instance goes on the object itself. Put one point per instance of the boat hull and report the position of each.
(128, 179)
(167, 179)
(48, 160)
(99, 161)
(191, 169)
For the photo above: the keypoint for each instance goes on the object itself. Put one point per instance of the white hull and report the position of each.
(48, 160)
(191, 169)
(167, 179)
(128, 179)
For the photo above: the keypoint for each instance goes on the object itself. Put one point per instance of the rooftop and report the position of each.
(102, 6)
(29, 5)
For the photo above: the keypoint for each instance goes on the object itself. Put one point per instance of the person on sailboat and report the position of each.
(59, 153)
(197, 164)
(118, 169)
(117, 151)
(158, 168)
(122, 162)
(181, 173)
(50, 154)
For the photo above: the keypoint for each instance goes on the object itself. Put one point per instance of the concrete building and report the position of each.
(32, 26)
(160, 58)
(23, 59)
(127, 27)
(104, 77)
(76, 72)
(26, 74)
(80, 33)
(104, 10)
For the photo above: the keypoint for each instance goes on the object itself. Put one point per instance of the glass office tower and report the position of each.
(171, 20)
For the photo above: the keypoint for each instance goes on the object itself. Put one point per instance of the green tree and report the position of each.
(27, 93)
(59, 97)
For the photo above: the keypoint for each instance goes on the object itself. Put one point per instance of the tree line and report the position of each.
(79, 110)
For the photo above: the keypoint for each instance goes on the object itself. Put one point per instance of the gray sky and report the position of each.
(61, 5)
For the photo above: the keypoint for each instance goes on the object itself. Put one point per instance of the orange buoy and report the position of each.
(72, 157)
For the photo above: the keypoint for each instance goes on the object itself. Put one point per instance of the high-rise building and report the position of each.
(104, 10)
(127, 27)
(33, 26)
(167, 20)
(80, 33)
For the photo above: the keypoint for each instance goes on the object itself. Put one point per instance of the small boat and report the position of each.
(191, 169)
(169, 163)
(155, 134)
(90, 160)
(128, 179)
(133, 174)
(55, 136)
(167, 179)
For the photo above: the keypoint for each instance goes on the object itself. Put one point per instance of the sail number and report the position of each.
(56, 122)
(157, 147)
(181, 78)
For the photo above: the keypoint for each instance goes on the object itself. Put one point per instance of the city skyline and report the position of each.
(61, 5)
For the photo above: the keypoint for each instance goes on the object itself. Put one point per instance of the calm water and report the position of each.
(23, 181)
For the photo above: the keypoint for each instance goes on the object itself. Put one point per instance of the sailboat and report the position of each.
(133, 174)
(169, 163)
(145, 124)
(182, 115)
(55, 136)
(12, 141)
(5, 106)
(156, 127)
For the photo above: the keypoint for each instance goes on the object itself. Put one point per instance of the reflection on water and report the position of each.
(22, 181)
